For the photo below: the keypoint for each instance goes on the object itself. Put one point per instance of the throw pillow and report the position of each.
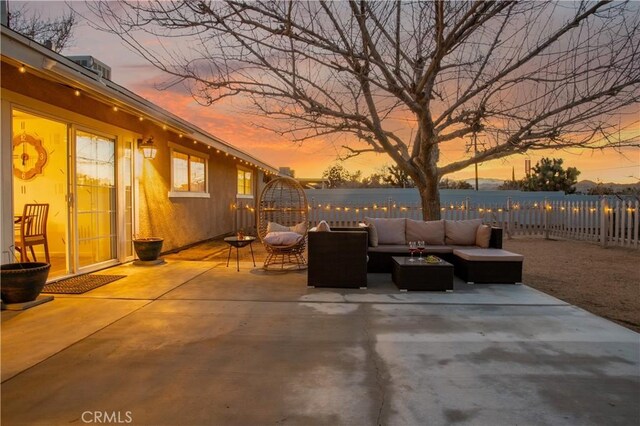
(390, 231)
(461, 232)
(372, 233)
(279, 238)
(323, 226)
(300, 228)
(276, 227)
(483, 236)
(431, 232)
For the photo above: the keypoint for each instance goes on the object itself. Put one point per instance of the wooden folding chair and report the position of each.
(33, 231)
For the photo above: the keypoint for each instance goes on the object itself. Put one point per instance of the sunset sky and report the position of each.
(229, 122)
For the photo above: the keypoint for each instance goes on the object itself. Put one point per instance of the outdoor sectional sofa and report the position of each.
(336, 258)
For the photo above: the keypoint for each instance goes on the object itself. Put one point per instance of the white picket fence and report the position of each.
(609, 223)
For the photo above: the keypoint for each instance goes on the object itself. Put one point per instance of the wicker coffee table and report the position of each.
(421, 275)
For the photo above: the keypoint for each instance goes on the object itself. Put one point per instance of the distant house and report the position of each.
(73, 139)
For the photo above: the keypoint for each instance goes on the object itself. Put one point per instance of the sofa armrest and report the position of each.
(338, 258)
(496, 238)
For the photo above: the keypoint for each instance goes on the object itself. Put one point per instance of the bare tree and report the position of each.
(54, 33)
(407, 78)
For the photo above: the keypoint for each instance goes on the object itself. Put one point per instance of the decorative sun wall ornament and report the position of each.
(29, 156)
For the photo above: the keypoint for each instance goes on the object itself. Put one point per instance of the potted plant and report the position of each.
(23, 282)
(148, 249)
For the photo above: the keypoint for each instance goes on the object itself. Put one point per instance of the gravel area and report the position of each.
(601, 280)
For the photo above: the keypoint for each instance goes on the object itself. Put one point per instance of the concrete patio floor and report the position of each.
(196, 343)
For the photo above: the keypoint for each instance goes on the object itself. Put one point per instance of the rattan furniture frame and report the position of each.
(284, 202)
(421, 275)
(338, 258)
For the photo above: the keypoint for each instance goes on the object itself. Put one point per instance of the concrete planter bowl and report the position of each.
(23, 282)
(148, 249)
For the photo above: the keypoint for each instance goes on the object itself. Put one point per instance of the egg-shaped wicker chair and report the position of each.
(283, 205)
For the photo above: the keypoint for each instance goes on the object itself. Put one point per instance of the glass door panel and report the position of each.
(40, 175)
(95, 199)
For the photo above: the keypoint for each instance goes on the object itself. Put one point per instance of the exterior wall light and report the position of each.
(148, 148)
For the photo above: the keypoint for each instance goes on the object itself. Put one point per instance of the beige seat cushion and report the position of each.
(431, 232)
(390, 231)
(389, 248)
(397, 248)
(461, 232)
(488, 255)
(483, 236)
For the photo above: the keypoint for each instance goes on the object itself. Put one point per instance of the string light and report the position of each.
(22, 69)
(76, 92)
(115, 108)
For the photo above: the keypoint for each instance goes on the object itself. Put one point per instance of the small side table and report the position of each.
(238, 243)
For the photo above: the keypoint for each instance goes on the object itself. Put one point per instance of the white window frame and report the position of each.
(253, 185)
(190, 152)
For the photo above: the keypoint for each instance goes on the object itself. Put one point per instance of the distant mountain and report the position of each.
(485, 184)
(585, 185)
(491, 184)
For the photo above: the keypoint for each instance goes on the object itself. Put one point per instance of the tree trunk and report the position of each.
(429, 197)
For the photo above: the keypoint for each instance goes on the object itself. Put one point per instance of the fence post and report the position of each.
(510, 226)
(389, 205)
(466, 208)
(603, 222)
(545, 220)
(312, 213)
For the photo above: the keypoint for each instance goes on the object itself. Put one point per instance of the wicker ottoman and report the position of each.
(495, 266)
(420, 275)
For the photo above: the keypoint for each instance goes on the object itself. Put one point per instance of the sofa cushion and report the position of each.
(373, 234)
(483, 236)
(389, 248)
(461, 232)
(488, 255)
(390, 231)
(282, 238)
(431, 232)
(398, 248)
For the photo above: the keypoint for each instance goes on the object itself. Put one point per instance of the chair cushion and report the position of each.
(461, 232)
(483, 236)
(282, 238)
(488, 255)
(390, 231)
(431, 232)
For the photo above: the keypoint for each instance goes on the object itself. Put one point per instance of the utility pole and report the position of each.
(475, 154)
(4, 13)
